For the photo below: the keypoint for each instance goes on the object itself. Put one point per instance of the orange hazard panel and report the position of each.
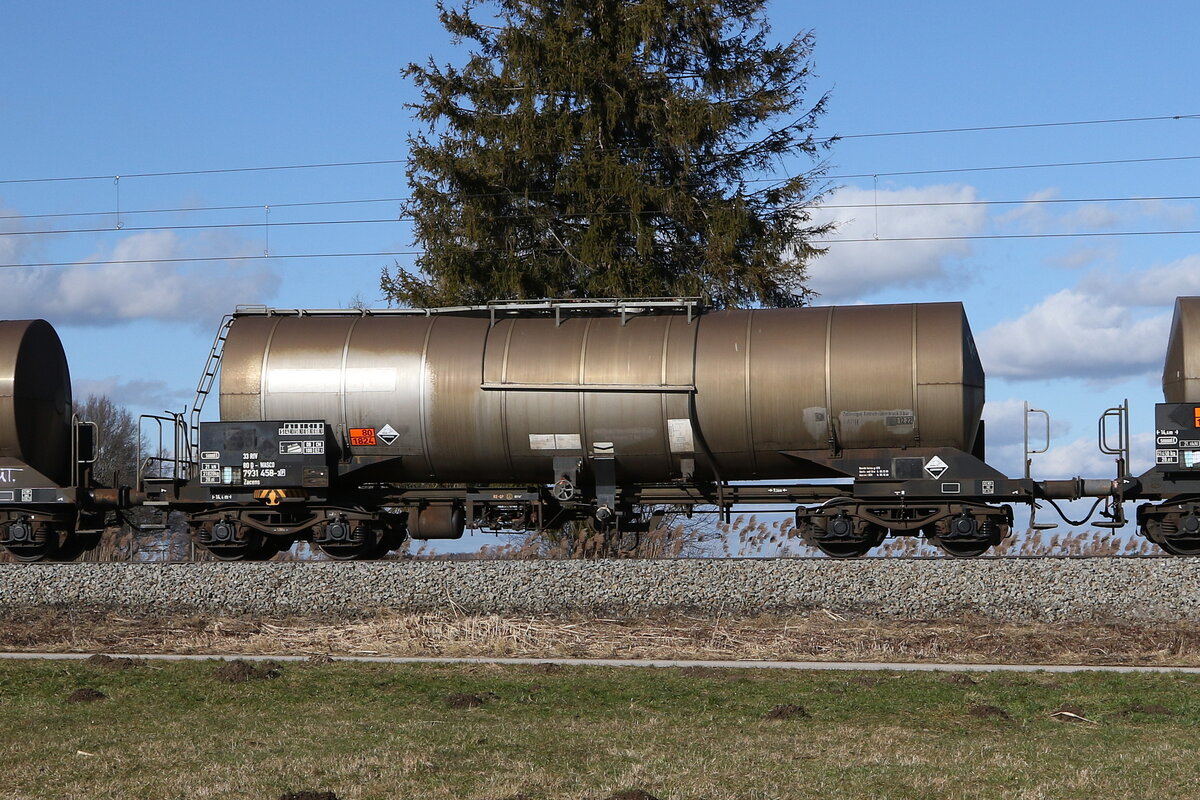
(1197, 412)
(362, 437)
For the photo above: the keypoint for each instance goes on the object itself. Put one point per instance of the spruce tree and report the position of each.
(612, 148)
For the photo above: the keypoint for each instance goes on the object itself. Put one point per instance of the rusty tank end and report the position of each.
(463, 396)
(35, 398)
(1181, 370)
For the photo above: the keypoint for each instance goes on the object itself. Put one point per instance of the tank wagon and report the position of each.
(356, 429)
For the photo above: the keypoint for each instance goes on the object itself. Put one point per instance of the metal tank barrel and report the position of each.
(469, 395)
(35, 398)
(1181, 370)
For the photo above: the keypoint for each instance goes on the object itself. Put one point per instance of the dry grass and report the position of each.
(821, 636)
(387, 731)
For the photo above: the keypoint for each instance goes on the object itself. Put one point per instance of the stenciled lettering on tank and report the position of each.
(555, 441)
(681, 436)
(9, 474)
(897, 421)
(816, 422)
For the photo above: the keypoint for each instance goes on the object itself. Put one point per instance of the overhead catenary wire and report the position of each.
(396, 161)
(547, 192)
(124, 228)
(526, 251)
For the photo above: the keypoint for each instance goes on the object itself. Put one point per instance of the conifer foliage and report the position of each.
(613, 148)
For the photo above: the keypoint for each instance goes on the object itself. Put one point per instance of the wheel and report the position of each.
(30, 541)
(962, 548)
(365, 543)
(1180, 546)
(231, 541)
(75, 544)
(1163, 531)
(858, 544)
(844, 549)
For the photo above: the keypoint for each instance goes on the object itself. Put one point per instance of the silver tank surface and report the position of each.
(35, 398)
(475, 396)
(1181, 370)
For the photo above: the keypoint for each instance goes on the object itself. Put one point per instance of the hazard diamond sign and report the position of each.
(936, 467)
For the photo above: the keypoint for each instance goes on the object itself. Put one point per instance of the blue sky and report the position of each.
(1073, 324)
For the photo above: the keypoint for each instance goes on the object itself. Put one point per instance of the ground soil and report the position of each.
(467, 700)
(308, 796)
(108, 662)
(814, 636)
(786, 711)
(86, 696)
(239, 671)
(987, 712)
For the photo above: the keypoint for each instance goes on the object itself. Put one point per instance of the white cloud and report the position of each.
(109, 294)
(15, 247)
(1157, 286)
(1092, 217)
(1036, 215)
(1083, 257)
(1032, 215)
(1075, 333)
(855, 269)
(1005, 424)
(142, 395)
(1082, 458)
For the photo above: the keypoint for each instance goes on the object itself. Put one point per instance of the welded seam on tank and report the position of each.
(748, 388)
(665, 412)
(915, 386)
(697, 428)
(262, 373)
(830, 430)
(504, 430)
(345, 358)
(422, 400)
(581, 373)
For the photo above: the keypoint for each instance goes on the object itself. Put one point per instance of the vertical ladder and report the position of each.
(204, 387)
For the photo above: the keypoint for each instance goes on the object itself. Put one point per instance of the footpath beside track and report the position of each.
(658, 663)
(1050, 590)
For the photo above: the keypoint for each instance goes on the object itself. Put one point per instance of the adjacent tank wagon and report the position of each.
(667, 392)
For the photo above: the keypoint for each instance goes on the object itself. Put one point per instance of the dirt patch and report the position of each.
(1149, 708)
(320, 658)
(987, 712)
(786, 711)
(86, 696)
(308, 796)
(632, 794)
(547, 667)
(108, 662)
(467, 700)
(960, 679)
(239, 671)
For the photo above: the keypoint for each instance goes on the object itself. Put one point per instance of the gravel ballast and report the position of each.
(1159, 589)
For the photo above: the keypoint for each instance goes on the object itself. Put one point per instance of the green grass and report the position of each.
(170, 730)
